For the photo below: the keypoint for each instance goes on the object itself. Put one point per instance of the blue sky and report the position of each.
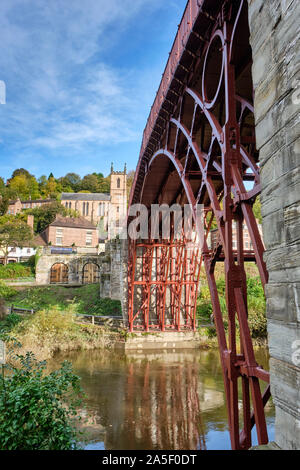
(80, 79)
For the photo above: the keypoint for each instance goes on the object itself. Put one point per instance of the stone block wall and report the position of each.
(275, 41)
(113, 279)
(75, 263)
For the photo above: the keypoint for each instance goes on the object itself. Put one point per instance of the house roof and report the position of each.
(72, 222)
(40, 240)
(85, 197)
(38, 200)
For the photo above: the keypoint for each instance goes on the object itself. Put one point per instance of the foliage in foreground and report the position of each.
(38, 411)
(256, 305)
(48, 332)
(6, 292)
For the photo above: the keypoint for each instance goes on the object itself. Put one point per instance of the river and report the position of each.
(158, 401)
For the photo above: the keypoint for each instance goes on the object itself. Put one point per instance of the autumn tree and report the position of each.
(24, 187)
(14, 233)
(130, 179)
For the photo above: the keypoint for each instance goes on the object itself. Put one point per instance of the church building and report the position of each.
(106, 211)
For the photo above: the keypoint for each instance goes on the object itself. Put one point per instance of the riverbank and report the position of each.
(48, 333)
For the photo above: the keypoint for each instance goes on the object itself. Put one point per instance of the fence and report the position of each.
(93, 319)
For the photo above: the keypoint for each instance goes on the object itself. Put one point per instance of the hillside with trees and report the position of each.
(25, 186)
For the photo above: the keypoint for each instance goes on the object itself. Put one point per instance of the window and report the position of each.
(89, 238)
(70, 205)
(13, 250)
(66, 205)
(59, 237)
(118, 209)
(99, 209)
(118, 183)
(28, 251)
(87, 209)
(83, 210)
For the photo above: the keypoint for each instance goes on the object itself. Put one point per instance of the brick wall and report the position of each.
(70, 235)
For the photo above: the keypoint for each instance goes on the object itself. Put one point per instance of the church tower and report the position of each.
(118, 200)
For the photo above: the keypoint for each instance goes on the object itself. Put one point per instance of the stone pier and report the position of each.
(275, 41)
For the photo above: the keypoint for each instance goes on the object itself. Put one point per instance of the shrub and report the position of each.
(107, 307)
(15, 270)
(37, 411)
(256, 305)
(9, 322)
(6, 292)
(53, 323)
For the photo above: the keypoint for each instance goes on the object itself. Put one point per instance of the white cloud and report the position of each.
(57, 94)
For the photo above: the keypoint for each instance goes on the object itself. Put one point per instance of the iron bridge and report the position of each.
(199, 148)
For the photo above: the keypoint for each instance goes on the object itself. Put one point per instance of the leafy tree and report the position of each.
(51, 187)
(14, 233)
(90, 183)
(4, 202)
(73, 180)
(46, 214)
(257, 210)
(2, 186)
(104, 185)
(38, 411)
(130, 179)
(24, 187)
(21, 172)
(42, 181)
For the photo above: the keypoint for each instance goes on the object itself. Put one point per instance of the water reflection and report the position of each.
(168, 401)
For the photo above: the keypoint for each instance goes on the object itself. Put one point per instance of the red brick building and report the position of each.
(68, 232)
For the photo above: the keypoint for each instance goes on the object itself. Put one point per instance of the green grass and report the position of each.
(77, 300)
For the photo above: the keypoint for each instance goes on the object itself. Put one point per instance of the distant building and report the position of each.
(16, 206)
(248, 246)
(18, 255)
(106, 211)
(69, 232)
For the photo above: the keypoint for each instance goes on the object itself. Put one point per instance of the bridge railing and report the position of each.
(191, 12)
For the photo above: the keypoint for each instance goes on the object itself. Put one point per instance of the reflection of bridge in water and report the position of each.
(171, 417)
(154, 401)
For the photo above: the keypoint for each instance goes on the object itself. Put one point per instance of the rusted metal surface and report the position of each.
(199, 148)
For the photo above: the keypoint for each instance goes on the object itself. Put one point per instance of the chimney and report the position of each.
(30, 221)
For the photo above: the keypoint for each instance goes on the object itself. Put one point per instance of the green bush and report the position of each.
(107, 307)
(6, 292)
(16, 270)
(9, 322)
(256, 305)
(37, 411)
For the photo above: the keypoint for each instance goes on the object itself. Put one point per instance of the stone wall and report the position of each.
(75, 263)
(113, 277)
(275, 41)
